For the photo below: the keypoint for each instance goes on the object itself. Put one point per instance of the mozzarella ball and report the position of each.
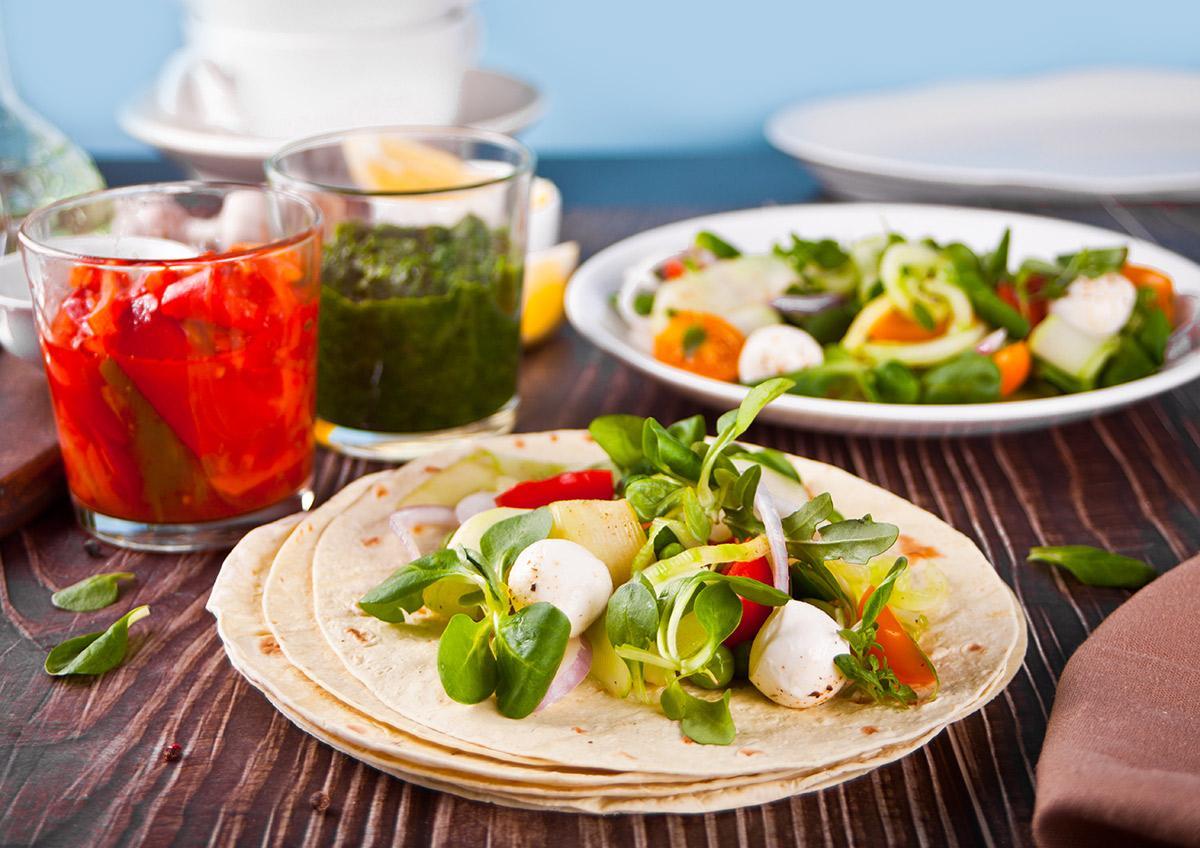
(564, 574)
(791, 660)
(1099, 307)
(775, 350)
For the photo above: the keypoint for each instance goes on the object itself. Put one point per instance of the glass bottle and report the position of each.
(38, 164)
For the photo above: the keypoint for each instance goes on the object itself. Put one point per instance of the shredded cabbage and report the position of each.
(707, 555)
(920, 590)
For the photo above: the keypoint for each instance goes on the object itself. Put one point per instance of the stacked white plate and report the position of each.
(1131, 134)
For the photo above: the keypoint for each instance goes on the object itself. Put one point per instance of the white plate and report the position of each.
(755, 230)
(1130, 134)
(490, 100)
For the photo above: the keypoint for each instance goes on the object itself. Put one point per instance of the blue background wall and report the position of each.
(645, 75)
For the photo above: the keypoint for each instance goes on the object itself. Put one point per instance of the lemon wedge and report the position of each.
(383, 163)
(546, 275)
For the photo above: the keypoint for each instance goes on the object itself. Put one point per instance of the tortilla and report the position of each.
(287, 605)
(971, 641)
(234, 601)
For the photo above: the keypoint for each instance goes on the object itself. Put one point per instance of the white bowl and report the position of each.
(589, 309)
(18, 332)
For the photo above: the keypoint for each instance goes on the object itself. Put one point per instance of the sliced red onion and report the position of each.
(1186, 335)
(473, 504)
(803, 305)
(576, 662)
(636, 281)
(992, 342)
(404, 521)
(768, 513)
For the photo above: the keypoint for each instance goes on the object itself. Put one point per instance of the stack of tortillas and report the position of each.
(285, 604)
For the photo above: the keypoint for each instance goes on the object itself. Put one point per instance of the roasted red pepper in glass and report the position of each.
(184, 392)
(595, 485)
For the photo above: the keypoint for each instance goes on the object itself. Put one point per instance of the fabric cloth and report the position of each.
(1121, 760)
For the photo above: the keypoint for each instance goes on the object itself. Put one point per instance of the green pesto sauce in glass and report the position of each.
(419, 327)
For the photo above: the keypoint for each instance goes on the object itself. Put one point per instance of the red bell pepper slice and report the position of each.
(593, 485)
(753, 615)
(900, 651)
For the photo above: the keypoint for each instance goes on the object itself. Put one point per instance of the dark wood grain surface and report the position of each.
(81, 762)
(30, 467)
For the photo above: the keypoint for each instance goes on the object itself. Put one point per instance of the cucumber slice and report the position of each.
(924, 354)
(860, 328)
(961, 313)
(866, 253)
(1077, 354)
(905, 268)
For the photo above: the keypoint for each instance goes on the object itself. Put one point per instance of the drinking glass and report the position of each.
(420, 283)
(178, 325)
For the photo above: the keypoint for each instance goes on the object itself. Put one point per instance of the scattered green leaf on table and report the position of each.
(1096, 567)
(94, 653)
(91, 593)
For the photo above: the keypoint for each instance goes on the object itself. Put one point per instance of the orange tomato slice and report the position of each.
(1014, 363)
(900, 650)
(1148, 278)
(701, 343)
(895, 326)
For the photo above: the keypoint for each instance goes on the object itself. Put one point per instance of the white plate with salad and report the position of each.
(897, 319)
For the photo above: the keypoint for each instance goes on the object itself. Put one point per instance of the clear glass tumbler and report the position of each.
(420, 283)
(179, 327)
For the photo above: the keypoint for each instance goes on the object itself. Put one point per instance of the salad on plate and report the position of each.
(892, 319)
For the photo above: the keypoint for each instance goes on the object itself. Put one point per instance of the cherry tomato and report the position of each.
(1034, 307)
(1158, 282)
(753, 615)
(901, 652)
(673, 268)
(1014, 362)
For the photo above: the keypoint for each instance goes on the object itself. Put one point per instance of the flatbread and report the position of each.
(236, 597)
(971, 641)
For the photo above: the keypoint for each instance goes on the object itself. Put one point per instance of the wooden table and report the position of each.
(81, 762)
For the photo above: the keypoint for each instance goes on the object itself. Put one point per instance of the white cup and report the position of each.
(320, 15)
(287, 84)
(18, 333)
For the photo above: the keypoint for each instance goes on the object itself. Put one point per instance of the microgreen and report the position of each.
(514, 654)
(94, 653)
(1095, 566)
(862, 666)
(91, 593)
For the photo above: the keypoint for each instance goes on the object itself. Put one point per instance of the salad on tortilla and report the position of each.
(678, 572)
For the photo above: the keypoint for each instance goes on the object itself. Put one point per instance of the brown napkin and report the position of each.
(1121, 762)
